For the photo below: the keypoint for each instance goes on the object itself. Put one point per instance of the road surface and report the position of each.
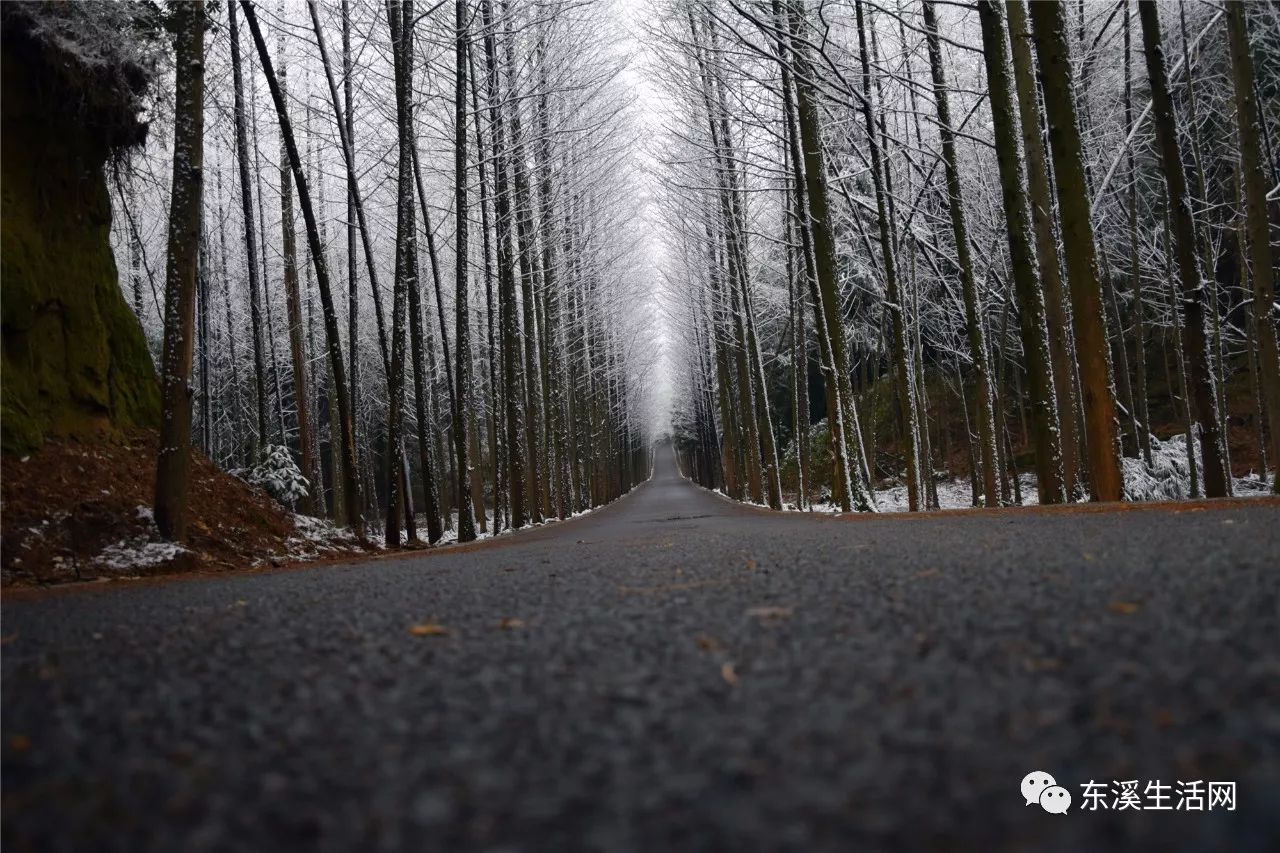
(670, 672)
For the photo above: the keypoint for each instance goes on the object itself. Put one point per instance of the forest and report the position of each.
(1032, 245)
(381, 257)
(639, 425)
(437, 271)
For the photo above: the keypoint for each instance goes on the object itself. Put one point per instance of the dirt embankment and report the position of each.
(75, 511)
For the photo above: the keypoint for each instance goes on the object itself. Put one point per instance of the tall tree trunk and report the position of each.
(512, 363)
(293, 300)
(1261, 255)
(406, 249)
(462, 334)
(173, 464)
(1135, 271)
(1061, 346)
(346, 128)
(250, 236)
(969, 288)
(1184, 236)
(528, 282)
(1031, 311)
(494, 427)
(350, 484)
(1048, 21)
(848, 488)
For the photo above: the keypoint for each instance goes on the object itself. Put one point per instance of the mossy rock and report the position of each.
(75, 360)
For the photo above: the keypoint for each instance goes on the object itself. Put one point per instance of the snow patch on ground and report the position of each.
(138, 552)
(1166, 479)
(317, 537)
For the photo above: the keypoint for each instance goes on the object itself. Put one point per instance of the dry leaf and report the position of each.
(766, 614)
(751, 564)
(429, 629)
(708, 643)
(509, 624)
(1125, 608)
(1042, 664)
(728, 673)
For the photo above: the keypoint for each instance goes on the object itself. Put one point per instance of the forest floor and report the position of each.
(78, 511)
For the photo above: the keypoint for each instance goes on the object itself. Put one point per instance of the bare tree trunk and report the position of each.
(494, 428)
(173, 464)
(346, 128)
(848, 487)
(528, 282)
(512, 364)
(1106, 482)
(293, 302)
(960, 231)
(1061, 348)
(401, 40)
(1135, 272)
(250, 237)
(1031, 311)
(462, 334)
(1253, 177)
(350, 483)
(1184, 234)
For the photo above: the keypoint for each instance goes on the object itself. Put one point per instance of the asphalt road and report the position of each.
(672, 672)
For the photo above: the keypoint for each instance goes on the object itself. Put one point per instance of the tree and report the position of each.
(1039, 197)
(173, 465)
(960, 231)
(350, 480)
(293, 304)
(1048, 22)
(1031, 311)
(250, 236)
(1204, 396)
(1261, 255)
(462, 352)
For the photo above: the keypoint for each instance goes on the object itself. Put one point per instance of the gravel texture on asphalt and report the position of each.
(672, 672)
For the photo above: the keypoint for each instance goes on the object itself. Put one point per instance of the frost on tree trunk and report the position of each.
(1261, 254)
(1203, 396)
(1031, 311)
(1048, 22)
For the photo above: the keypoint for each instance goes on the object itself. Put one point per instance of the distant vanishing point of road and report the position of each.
(672, 672)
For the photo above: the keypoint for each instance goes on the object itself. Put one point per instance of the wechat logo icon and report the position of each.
(1040, 787)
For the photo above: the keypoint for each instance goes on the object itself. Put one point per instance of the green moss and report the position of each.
(74, 359)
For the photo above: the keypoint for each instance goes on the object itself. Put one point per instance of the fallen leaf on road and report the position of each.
(429, 629)
(770, 614)
(708, 643)
(1042, 664)
(19, 743)
(751, 564)
(1124, 608)
(509, 624)
(728, 673)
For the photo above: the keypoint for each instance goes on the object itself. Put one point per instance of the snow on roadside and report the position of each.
(144, 550)
(317, 537)
(138, 552)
